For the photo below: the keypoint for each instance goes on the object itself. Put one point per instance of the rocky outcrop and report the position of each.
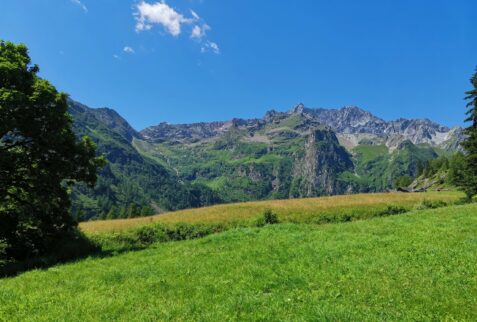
(355, 121)
(316, 173)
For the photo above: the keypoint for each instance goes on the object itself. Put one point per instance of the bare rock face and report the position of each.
(351, 120)
(316, 173)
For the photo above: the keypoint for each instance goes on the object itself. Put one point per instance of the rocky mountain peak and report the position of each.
(298, 109)
(107, 116)
(351, 122)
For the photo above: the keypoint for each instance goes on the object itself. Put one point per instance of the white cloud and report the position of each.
(116, 56)
(160, 13)
(199, 32)
(81, 5)
(195, 15)
(210, 46)
(129, 50)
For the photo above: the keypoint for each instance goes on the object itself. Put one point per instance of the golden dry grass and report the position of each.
(291, 210)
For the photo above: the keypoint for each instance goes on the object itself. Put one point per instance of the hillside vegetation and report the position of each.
(308, 210)
(130, 183)
(416, 266)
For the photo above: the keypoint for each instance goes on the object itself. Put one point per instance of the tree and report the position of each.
(147, 211)
(457, 165)
(112, 214)
(40, 158)
(403, 181)
(133, 211)
(469, 185)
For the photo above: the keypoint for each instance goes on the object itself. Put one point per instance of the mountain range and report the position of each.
(302, 152)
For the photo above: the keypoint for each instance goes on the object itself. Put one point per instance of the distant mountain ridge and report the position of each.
(303, 152)
(349, 122)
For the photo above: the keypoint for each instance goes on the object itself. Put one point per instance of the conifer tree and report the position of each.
(469, 185)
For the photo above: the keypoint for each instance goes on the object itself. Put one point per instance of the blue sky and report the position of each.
(202, 60)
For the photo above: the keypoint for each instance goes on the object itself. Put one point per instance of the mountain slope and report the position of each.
(129, 180)
(281, 156)
(298, 153)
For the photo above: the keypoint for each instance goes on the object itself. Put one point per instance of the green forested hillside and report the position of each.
(241, 168)
(377, 168)
(130, 184)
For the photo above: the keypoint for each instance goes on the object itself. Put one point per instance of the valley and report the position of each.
(303, 152)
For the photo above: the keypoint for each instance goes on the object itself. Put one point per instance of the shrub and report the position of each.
(392, 210)
(267, 218)
(147, 235)
(463, 201)
(430, 204)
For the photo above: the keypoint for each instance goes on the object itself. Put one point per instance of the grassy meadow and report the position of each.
(309, 210)
(421, 265)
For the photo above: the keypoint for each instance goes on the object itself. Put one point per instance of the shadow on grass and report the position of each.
(14, 268)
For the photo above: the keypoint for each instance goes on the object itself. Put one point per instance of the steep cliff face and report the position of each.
(317, 172)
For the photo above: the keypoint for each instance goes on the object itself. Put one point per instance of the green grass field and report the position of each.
(416, 266)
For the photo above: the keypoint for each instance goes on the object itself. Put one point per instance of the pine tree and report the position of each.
(469, 186)
(147, 211)
(112, 214)
(123, 212)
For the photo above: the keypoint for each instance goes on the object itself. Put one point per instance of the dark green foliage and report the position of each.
(40, 159)
(3, 253)
(445, 172)
(431, 204)
(403, 181)
(442, 163)
(267, 218)
(158, 233)
(353, 215)
(469, 185)
(456, 175)
(392, 210)
(147, 211)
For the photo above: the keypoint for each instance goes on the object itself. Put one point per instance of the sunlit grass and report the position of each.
(290, 210)
(420, 266)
